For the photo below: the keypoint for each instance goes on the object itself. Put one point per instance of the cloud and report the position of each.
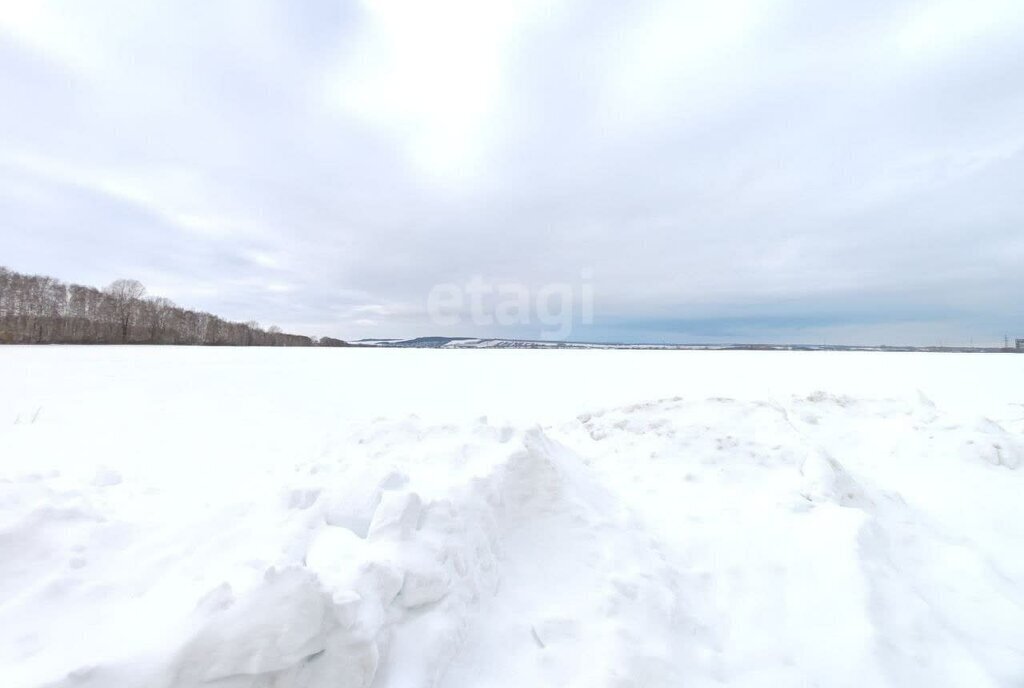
(833, 166)
(433, 76)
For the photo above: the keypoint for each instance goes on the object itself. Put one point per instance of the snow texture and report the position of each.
(280, 519)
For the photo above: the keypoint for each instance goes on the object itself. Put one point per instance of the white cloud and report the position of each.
(435, 75)
(678, 59)
(55, 31)
(947, 27)
(331, 162)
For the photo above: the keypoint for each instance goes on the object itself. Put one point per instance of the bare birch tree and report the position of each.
(125, 295)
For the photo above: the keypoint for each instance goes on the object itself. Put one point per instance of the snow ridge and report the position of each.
(819, 539)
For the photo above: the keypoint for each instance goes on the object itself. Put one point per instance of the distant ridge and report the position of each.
(499, 343)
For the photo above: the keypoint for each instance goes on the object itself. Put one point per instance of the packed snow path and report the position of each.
(809, 538)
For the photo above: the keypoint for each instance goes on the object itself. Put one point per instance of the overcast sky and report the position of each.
(726, 170)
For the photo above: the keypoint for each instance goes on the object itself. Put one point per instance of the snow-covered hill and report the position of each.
(331, 519)
(500, 343)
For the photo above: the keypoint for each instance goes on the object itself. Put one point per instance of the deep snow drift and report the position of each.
(256, 518)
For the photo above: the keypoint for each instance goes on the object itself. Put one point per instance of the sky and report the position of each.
(726, 171)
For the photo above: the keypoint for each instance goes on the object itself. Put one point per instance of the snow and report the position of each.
(243, 518)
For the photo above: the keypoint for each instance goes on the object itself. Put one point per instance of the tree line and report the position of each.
(42, 310)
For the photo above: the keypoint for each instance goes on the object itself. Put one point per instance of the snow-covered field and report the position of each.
(331, 518)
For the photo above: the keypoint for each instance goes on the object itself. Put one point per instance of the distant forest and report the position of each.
(43, 310)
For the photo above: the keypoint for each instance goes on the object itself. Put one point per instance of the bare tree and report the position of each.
(160, 311)
(42, 310)
(125, 295)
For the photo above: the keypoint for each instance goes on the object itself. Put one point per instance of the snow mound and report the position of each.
(811, 538)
